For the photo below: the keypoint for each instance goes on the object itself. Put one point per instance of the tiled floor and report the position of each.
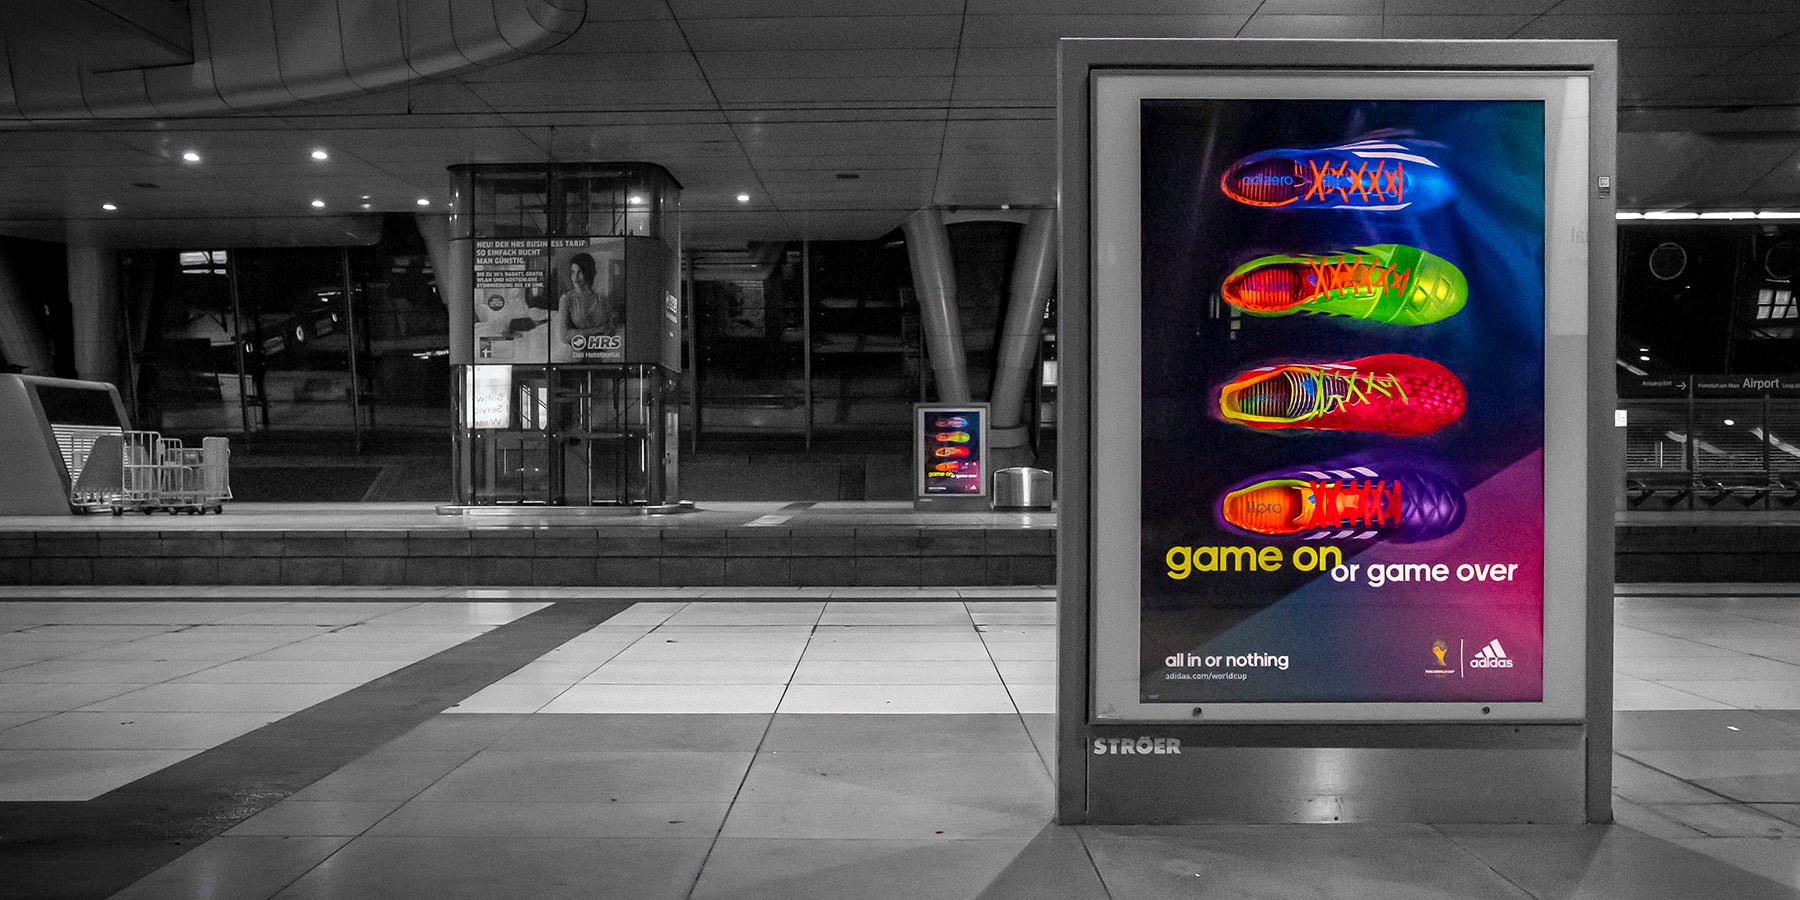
(821, 743)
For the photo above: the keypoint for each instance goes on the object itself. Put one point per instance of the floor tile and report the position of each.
(933, 820)
(1389, 862)
(1599, 861)
(928, 671)
(509, 698)
(235, 866)
(892, 734)
(1026, 671)
(636, 732)
(667, 698)
(459, 614)
(912, 650)
(896, 698)
(516, 819)
(319, 818)
(654, 648)
(116, 671)
(1722, 819)
(73, 775)
(1033, 698)
(485, 868)
(895, 778)
(730, 671)
(40, 697)
(385, 775)
(756, 868)
(1022, 650)
(593, 776)
(903, 634)
(264, 671)
(551, 672)
(132, 731)
(173, 697)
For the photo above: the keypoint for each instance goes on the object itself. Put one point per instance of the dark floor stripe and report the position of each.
(73, 851)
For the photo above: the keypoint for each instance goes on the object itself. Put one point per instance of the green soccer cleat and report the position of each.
(1390, 283)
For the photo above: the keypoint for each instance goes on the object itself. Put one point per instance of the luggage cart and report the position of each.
(146, 472)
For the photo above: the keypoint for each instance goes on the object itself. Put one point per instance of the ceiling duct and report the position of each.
(148, 58)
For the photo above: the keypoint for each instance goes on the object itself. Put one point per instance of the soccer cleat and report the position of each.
(953, 422)
(953, 451)
(1390, 393)
(1389, 283)
(960, 437)
(1378, 174)
(1367, 502)
(954, 466)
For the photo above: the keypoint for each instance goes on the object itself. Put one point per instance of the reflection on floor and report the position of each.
(825, 744)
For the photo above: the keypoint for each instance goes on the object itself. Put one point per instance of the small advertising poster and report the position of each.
(511, 308)
(587, 279)
(951, 440)
(1342, 401)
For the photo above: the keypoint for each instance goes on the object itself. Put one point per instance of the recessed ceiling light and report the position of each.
(368, 206)
(1006, 206)
(321, 155)
(318, 204)
(1730, 422)
(1644, 358)
(108, 207)
(635, 200)
(743, 198)
(424, 201)
(191, 156)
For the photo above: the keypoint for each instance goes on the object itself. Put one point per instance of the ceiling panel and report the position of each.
(1044, 30)
(609, 66)
(823, 33)
(833, 91)
(1687, 30)
(1263, 25)
(1469, 7)
(595, 96)
(1240, 8)
(629, 36)
(763, 9)
(890, 63)
(1036, 92)
(1453, 27)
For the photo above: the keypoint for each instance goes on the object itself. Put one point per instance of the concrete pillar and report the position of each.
(452, 265)
(94, 302)
(23, 340)
(934, 281)
(1033, 278)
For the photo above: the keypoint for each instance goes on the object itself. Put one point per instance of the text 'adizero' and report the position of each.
(1366, 502)
(1390, 393)
(1376, 175)
(1389, 283)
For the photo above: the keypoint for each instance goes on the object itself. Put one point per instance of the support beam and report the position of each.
(452, 265)
(94, 302)
(934, 281)
(1033, 278)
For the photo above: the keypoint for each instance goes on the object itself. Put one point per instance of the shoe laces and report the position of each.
(1369, 502)
(1332, 391)
(1382, 182)
(1355, 273)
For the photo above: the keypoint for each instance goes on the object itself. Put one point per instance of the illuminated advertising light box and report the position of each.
(949, 443)
(1339, 431)
(490, 392)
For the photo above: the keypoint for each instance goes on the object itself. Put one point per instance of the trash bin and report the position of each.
(1023, 487)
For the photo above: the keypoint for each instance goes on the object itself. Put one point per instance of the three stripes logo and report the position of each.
(1491, 657)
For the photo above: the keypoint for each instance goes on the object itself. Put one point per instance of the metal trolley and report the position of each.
(144, 471)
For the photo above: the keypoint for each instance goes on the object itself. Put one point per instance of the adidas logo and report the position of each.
(1491, 657)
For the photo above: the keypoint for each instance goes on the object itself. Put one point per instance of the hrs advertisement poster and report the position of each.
(1342, 480)
(540, 301)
